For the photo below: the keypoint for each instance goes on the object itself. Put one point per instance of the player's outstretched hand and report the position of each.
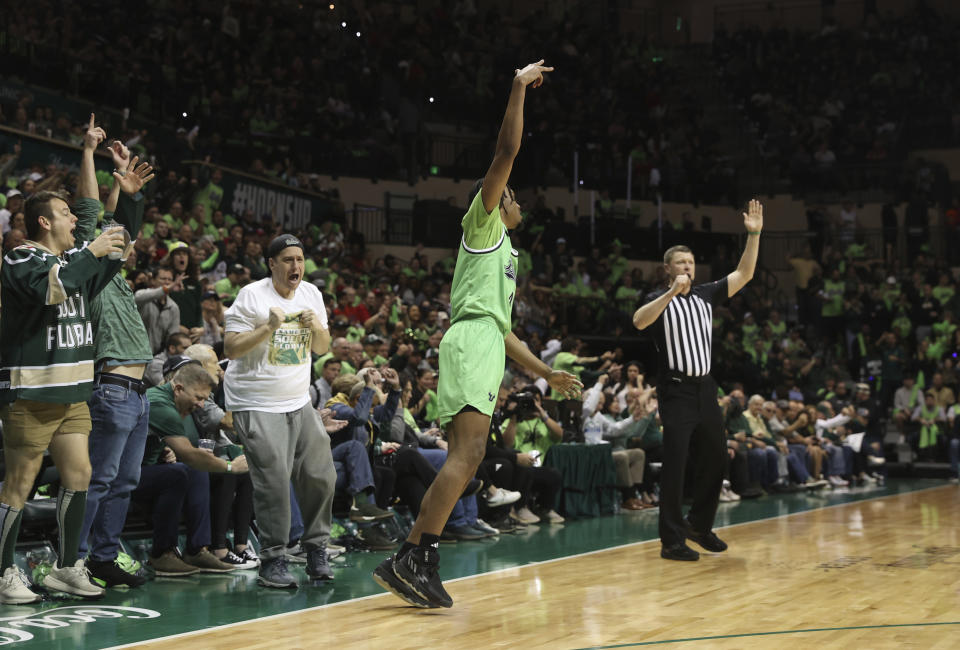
(533, 73)
(565, 384)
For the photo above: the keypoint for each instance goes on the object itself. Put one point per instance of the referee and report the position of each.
(682, 316)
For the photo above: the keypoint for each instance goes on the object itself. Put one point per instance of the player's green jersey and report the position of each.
(47, 346)
(485, 277)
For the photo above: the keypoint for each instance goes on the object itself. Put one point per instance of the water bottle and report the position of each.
(39, 562)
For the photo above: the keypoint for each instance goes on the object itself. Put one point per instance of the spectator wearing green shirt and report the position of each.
(944, 291)
(229, 287)
(568, 361)
(424, 405)
(174, 218)
(371, 349)
(777, 326)
(175, 478)
(211, 194)
(565, 286)
(617, 262)
(536, 430)
(200, 223)
(831, 306)
(627, 295)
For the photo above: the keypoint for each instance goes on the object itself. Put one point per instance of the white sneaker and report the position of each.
(527, 517)
(728, 496)
(480, 524)
(502, 498)
(553, 517)
(73, 580)
(876, 460)
(955, 481)
(836, 481)
(814, 482)
(15, 588)
(335, 551)
(867, 478)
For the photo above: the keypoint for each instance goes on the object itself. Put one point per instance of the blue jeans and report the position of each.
(836, 464)
(353, 467)
(764, 465)
(117, 439)
(797, 463)
(465, 510)
(173, 490)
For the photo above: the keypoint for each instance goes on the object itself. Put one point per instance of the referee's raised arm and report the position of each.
(650, 312)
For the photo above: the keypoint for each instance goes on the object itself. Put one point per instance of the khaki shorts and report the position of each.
(32, 425)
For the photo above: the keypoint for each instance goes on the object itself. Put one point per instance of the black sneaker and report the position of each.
(464, 533)
(107, 573)
(680, 552)
(368, 512)
(708, 541)
(274, 573)
(418, 570)
(474, 486)
(318, 566)
(375, 540)
(384, 576)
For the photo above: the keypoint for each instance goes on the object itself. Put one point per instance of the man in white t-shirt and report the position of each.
(271, 329)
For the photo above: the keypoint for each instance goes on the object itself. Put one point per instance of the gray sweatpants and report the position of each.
(285, 447)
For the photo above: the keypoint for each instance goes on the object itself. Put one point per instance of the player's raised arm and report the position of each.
(511, 131)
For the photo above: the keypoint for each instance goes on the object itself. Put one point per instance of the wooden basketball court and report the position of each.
(881, 572)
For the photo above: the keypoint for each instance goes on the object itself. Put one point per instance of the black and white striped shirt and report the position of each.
(684, 331)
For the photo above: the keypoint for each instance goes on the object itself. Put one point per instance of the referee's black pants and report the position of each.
(692, 428)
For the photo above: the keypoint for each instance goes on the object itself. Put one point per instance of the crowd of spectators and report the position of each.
(808, 400)
(234, 83)
(834, 108)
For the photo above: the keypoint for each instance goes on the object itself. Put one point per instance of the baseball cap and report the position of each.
(281, 242)
(14, 192)
(561, 240)
(174, 363)
(236, 268)
(372, 339)
(177, 245)
(210, 294)
(864, 387)
(340, 322)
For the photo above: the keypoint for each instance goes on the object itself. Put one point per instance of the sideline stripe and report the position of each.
(749, 634)
(515, 568)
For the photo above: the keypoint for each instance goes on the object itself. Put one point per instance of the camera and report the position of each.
(522, 404)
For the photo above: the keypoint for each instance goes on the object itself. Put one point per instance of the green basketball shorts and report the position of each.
(472, 357)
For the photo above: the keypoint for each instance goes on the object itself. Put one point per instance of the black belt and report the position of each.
(680, 378)
(129, 383)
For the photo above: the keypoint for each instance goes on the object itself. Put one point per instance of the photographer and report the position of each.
(535, 431)
(538, 486)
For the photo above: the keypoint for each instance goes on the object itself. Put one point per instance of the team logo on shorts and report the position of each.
(510, 271)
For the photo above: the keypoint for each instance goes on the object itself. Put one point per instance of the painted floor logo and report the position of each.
(12, 627)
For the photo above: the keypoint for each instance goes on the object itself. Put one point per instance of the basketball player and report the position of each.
(472, 355)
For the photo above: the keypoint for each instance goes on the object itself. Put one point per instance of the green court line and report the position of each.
(746, 634)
